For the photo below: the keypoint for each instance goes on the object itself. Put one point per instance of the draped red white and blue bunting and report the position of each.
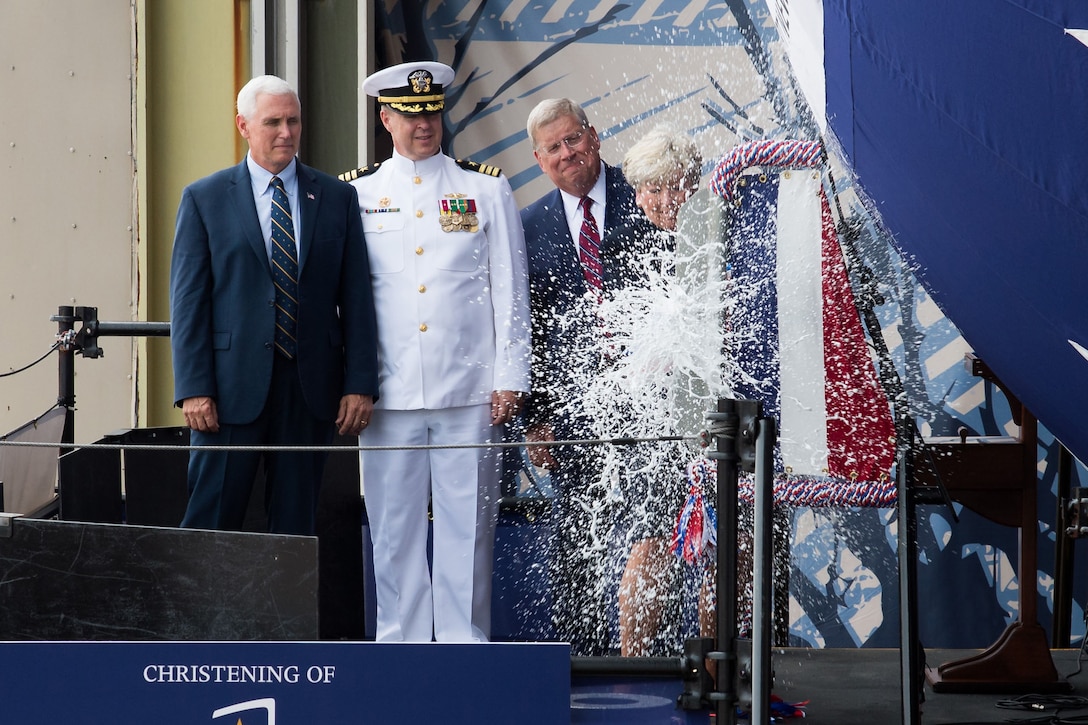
(795, 334)
(695, 533)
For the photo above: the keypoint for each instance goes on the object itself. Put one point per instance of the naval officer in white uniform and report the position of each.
(448, 268)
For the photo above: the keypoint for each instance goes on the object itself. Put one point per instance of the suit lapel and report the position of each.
(621, 199)
(242, 194)
(309, 198)
(566, 267)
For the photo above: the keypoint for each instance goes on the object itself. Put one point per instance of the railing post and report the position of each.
(66, 370)
(725, 650)
(762, 567)
(910, 656)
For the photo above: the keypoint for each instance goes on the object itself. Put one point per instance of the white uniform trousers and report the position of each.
(451, 600)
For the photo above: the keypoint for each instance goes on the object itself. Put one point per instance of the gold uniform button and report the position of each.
(419, 250)
(422, 288)
(419, 213)
(423, 327)
(417, 180)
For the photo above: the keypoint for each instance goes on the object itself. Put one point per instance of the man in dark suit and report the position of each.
(564, 284)
(273, 328)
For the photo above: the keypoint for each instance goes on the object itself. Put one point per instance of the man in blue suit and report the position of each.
(269, 350)
(563, 293)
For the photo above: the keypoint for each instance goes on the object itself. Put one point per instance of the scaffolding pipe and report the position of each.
(725, 653)
(762, 579)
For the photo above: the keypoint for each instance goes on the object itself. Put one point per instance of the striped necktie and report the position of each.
(284, 270)
(589, 247)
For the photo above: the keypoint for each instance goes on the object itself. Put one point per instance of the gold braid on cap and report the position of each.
(415, 104)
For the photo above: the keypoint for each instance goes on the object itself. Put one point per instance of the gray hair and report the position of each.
(659, 155)
(550, 110)
(269, 85)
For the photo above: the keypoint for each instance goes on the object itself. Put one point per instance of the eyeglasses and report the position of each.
(571, 142)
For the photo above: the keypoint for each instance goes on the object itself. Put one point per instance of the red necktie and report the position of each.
(589, 247)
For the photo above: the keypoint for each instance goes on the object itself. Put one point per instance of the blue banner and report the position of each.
(279, 683)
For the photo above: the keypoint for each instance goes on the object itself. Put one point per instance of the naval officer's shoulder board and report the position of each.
(359, 172)
(487, 169)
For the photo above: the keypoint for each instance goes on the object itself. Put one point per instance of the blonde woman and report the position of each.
(664, 168)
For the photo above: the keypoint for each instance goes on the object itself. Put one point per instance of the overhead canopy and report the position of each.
(966, 123)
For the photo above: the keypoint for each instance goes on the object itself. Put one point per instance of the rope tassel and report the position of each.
(696, 532)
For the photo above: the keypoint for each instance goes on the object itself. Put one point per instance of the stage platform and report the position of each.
(841, 687)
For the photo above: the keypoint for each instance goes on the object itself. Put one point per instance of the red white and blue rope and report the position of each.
(779, 153)
(695, 532)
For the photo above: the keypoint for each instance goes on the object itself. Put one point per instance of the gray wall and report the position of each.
(67, 200)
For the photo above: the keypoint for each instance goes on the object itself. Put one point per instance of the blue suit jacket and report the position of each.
(222, 299)
(556, 286)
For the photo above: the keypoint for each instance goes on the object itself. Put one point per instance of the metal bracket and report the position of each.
(85, 340)
(698, 683)
(1077, 513)
(747, 413)
(7, 525)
